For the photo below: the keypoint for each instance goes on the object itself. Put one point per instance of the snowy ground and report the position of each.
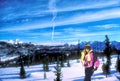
(73, 73)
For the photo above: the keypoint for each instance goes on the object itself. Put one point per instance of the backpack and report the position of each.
(95, 58)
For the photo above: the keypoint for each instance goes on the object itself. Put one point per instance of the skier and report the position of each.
(89, 61)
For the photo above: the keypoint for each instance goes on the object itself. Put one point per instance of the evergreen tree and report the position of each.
(57, 71)
(107, 51)
(28, 61)
(78, 52)
(44, 66)
(105, 68)
(45, 76)
(118, 65)
(62, 60)
(22, 70)
(68, 62)
(118, 62)
(46, 63)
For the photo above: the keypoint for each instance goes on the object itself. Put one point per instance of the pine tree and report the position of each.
(43, 66)
(46, 63)
(62, 61)
(45, 76)
(68, 63)
(118, 64)
(78, 52)
(105, 69)
(107, 52)
(57, 71)
(108, 48)
(22, 70)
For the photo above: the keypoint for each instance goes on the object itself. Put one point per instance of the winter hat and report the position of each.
(87, 46)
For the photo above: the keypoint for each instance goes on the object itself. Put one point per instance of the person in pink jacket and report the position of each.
(89, 62)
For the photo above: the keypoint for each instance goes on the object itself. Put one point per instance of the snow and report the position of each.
(73, 73)
(5, 58)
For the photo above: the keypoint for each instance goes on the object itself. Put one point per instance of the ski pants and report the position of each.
(88, 73)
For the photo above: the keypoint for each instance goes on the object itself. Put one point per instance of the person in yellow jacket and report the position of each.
(88, 63)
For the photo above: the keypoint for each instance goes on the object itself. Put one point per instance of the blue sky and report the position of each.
(59, 20)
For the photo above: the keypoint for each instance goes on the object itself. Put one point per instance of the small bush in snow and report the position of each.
(105, 69)
(58, 73)
(118, 65)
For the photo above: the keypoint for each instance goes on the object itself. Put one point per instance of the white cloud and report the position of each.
(52, 7)
(108, 26)
(78, 18)
(73, 29)
(75, 19)
(87, 5)
(92, 17)
(85, 35)
(89, 34)
(28, 26)
(96, 33)
(59, 42)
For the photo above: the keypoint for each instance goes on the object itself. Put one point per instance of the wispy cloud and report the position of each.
(89, 34)
(75, 19)
(92, 17)
(63, 20)
(108, 26)
(82, 5)
(34, 9)
(94, 35)
(52, 7)
(74, 29)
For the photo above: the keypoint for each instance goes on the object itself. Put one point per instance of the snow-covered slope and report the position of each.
(73, 73)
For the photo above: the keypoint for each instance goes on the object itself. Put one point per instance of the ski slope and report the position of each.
(73, 73)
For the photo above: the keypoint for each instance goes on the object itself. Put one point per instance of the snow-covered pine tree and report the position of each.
(22, 70)
(107, 52)
(45, 76)
(105, 69)
(62, 61)
(118, 65)
(68, 63)
(46, 63)
(78, 52)
(57, 71)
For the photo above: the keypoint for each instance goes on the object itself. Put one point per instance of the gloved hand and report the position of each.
(95, 68)
(87, 63)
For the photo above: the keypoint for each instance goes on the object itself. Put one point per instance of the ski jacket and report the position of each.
(88, 60)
